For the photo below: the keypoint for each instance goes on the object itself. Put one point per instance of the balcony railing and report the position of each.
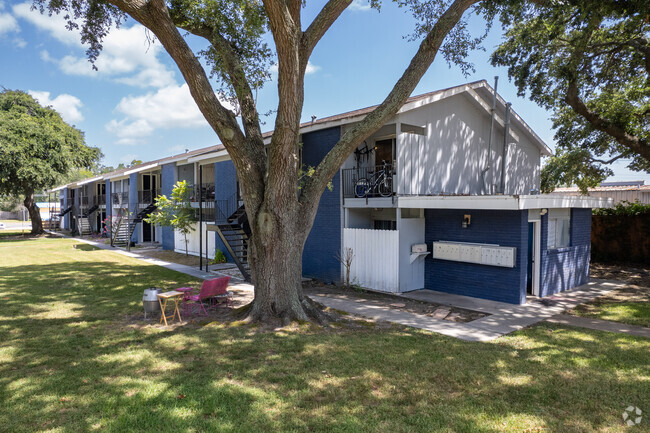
(148, 196)
(371, 181)
(120, 198)
(205, 194)
(99, 199)
(83, 200)
(226, 207)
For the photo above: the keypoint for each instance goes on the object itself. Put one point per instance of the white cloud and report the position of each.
(359, 5)
(20, 42)
(66, 105)
(169, 107)
(129, 54)
(310, 69)
(8, 24)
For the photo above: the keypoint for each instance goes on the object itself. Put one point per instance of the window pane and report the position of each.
(563, 233)
(551, 234)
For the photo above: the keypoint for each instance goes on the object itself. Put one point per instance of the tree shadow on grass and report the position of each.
(68, 361)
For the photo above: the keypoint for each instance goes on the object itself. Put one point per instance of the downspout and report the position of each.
(492, 113)
(506, 133)
(200, 216)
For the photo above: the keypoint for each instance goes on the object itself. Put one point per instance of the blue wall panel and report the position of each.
(109, 207)
(225, 186)
(565, 268)
(167, 181)
(506, 228)
(324, 241)
(133, 202)
(65, 224)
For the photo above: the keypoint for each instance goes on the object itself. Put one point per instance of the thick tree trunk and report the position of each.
(276, 265)
(34, 213)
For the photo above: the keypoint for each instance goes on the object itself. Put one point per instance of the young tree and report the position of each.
(176, 212)
(37, 148)
(589, 62)
(280, 217)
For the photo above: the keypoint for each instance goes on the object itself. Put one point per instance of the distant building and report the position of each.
(618, 191)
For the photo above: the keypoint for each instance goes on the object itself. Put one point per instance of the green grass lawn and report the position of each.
(629, 305)
(75, 356)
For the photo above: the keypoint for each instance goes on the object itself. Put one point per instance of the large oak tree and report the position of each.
(280, 214)
(588, 62)
(37, 149)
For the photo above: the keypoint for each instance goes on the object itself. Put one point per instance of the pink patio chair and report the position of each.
(214, 289)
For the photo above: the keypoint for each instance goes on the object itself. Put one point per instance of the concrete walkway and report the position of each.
(600, 325)
(188, 270)
(503, 319)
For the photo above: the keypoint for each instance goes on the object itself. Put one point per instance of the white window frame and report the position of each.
(557, 219)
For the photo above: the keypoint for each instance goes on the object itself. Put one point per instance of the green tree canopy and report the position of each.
(37, 149)
(588, 62)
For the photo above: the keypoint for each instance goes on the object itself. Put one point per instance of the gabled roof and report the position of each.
(479, 90)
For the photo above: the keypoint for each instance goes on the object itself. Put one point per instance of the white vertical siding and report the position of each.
(411, 275)
(193, 241)
(376, 262)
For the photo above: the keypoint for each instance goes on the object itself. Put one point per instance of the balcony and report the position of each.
(99, 200)
(120, 198)
(368, 182)
(83, 200)
(148, 196)
(206, 193)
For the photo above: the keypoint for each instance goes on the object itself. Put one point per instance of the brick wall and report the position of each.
(505, 228)
(167, 181)
(324, 241)
(565, 268)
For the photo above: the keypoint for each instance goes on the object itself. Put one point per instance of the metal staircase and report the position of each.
(235, 233)
(123, 232)
(84, 227)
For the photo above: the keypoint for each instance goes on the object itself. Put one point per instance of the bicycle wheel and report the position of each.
(361, 187)
(386, 187)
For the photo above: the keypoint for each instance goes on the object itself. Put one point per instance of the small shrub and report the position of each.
(219, 257)
(625, 208)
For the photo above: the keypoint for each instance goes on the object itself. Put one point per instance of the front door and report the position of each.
(147, 232)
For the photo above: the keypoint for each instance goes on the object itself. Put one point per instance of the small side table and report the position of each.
(162, 300)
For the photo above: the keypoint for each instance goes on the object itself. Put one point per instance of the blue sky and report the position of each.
(136, 105)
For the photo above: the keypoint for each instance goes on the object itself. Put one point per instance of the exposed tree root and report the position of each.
(307, 311)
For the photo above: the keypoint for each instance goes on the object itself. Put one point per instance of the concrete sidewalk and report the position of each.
(600, 325)
(188, 270)
(503, 319)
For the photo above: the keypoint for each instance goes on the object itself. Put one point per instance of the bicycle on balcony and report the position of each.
(380, 182)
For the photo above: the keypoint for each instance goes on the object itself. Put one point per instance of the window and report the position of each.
(559, 228)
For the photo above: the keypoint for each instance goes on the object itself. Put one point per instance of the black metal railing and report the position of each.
(83, 200)
(368, 181)
(225, 207)
(99, 199)
(120, 198)
(204, 193)
(148, 196)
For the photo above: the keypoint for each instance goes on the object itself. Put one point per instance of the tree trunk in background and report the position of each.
(34, 213)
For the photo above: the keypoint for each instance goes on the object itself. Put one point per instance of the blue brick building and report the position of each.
(435, 199)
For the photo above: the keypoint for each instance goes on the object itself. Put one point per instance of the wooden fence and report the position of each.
(616, 238)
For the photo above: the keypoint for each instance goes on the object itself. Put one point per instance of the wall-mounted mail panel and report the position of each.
(484, 254)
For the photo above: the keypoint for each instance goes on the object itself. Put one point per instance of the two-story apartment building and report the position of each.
(445, 196)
